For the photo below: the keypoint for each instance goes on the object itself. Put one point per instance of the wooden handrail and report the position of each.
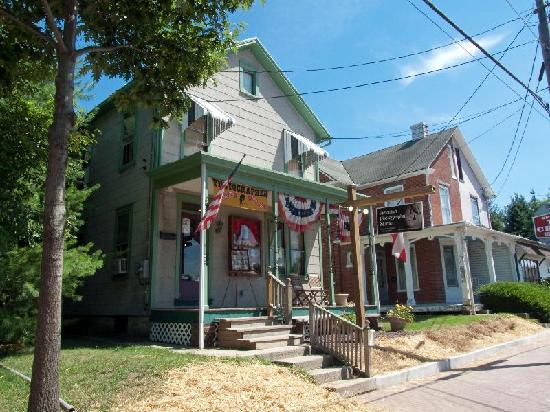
(279, 298)
(341, 338)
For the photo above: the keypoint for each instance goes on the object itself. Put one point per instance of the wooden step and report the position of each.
(268, 342)
(226, 323)
(250, 332)
(309, 362)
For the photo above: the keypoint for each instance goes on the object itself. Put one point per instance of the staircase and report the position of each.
(255, 333)
(321, 367)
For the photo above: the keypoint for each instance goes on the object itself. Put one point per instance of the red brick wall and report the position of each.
(443, 175)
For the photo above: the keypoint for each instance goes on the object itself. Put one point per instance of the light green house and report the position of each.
(164, 280)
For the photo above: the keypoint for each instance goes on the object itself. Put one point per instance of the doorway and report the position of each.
(382, 277)
(190, 258)
(451, 279)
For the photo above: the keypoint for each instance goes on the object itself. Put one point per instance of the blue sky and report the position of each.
(319, 33)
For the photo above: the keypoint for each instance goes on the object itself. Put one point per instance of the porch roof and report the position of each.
(190, 168)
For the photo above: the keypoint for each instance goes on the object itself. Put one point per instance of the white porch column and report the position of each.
(490, 261)
(409, 283)
(202, 278)
(513, 265)
(464, 268)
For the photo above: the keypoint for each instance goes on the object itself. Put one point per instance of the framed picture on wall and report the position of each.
(245, 244)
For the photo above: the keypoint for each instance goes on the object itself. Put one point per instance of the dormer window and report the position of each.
(299, 153)
(248, 80)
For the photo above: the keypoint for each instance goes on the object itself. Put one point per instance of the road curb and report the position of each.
(359, 386)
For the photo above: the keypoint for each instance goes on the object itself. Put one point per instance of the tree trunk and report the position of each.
(44, 395)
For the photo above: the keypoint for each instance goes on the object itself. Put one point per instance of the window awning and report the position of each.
(295, 142)
(221, 120)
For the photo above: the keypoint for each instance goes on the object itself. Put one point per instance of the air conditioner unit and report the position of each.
(121, 266)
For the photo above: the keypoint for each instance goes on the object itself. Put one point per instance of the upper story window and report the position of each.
(127, 156)
(459, 164)
(451, 153)
(445, 200)
(248, 81)
(393, 189)
(475, 210)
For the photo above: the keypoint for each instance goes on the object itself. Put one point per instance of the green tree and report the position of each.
(519, 215)
(25, 112)
(498, 217)
(163, 47)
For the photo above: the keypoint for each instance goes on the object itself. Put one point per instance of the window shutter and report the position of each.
(287, 136)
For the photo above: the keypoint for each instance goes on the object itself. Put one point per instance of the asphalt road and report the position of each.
(516, 380)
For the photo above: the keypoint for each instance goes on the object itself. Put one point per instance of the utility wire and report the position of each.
(388, 59)
(519, 120)
(525, 23)
(488, 55)
(357, 86)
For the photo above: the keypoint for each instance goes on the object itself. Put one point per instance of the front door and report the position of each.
(382, 277)
(451, 277)
(190, 259)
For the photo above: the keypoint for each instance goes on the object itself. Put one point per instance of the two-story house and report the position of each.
(163, 277)
(457, 251)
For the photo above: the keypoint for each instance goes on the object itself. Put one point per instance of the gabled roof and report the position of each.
(335, 170)
(276, 73)
(394, 161)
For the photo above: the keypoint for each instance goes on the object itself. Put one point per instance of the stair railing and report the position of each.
(340, 338)
(279, 298)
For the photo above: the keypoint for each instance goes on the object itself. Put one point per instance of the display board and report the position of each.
(245, 246)
(400, 218)
(243, 196)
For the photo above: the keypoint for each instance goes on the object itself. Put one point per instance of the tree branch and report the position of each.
(100, 49)
(29, 27)
(53, 27)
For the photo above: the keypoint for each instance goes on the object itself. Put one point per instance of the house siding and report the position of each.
(471, 187)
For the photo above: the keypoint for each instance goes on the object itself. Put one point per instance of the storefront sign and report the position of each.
(542, 226)
(243, 196)
(400, 218)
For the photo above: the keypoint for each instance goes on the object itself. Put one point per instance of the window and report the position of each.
(249, 80)
(128, 140)
(297, 253)
(393, 189)
(281, 250)
(349, 263)
(401, 275)
(294, 152)
(446, 217)
(459, 165)
(452, 161)
(123, 228)
(475, 211)
(450, 266)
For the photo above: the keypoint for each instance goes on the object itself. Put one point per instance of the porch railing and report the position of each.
(342, 339)
(279, 298)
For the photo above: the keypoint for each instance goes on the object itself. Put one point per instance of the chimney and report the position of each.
(419, 130)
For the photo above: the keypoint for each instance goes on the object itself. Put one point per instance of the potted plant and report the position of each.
(341, 299)
(399, 316)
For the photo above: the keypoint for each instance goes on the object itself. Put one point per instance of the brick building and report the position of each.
(457, 251)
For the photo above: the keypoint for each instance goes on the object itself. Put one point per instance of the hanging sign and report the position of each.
(542, 226)
(297, 212)
(243, 196)
(400, 218)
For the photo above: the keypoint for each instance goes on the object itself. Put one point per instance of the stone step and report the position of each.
(330, 374)
(226, 323)
(308, 362)
(257, 331)
(351, 387)
(281, 352)
(269, 342)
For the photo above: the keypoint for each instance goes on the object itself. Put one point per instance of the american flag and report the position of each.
(398, 246)
(214, 206)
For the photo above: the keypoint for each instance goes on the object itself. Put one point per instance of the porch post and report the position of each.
(373, 268)
(357, 261)
(513, 263)
(464, 268)
(275, 211)
(329, 255)
(202, 288)
(490, 261)
(409, 283)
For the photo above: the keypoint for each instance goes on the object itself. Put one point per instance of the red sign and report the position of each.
(542, 226)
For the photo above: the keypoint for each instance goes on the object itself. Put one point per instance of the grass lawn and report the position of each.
(92, 373)
(423, 322)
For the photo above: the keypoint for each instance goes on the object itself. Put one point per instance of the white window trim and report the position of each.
(449, 203)
(391, 189)
(396, 263)
(472, 197)
(452, 161)
(449, 242)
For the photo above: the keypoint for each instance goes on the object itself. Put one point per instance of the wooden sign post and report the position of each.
(357, 261)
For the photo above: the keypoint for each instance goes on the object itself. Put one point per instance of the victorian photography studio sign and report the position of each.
(400, 218)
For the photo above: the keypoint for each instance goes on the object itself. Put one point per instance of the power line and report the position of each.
(525, 23)
(361, 85)
(519, 120)
(384, 60)
(489, 56)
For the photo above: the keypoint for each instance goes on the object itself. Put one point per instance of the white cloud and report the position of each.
(448, 56)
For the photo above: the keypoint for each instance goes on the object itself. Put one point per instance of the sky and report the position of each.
(325, 33)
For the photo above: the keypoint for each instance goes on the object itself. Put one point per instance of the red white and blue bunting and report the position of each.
(299, 213)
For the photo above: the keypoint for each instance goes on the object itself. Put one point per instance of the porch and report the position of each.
(199, 279)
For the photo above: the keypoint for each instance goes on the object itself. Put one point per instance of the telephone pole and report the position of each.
(544, 36)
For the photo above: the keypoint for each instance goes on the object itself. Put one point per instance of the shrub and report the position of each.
(515, 297)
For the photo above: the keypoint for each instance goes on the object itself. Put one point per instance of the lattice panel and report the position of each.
(306, 331)
(175, 333)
